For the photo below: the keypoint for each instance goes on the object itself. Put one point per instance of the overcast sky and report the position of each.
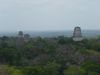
(43, 15)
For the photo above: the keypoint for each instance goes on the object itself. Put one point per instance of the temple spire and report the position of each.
(77, 35)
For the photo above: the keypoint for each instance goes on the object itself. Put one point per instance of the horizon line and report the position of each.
(43, 30)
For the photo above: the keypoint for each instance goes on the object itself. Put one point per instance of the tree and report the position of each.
(91, 67)
(74, 70)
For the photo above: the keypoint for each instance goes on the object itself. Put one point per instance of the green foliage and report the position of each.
(48, 56)
(14, 71)
(93, 73)
(52, 68)
(6, 55)
(64, 40)
(49, 69)
(36, 70)
(74, 70)
(91, 67)
(8, 70)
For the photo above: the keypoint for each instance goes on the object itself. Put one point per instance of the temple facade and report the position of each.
(20, 39)
(77, 35)
(26, 37)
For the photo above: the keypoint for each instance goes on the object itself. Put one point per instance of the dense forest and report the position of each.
(50, 56)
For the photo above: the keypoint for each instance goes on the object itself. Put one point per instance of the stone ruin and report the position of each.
(77, 35)
(22, 39)
(26, 37)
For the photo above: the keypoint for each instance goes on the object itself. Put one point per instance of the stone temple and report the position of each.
(77, 35)
(20, 34)
(26, 37)
(20, 39)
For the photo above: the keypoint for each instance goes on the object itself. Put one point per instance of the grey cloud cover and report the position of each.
(44, 15)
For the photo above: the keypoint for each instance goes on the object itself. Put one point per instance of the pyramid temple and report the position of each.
(77, 35)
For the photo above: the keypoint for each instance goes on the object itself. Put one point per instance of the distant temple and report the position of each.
(26, 37)
(20, 39)
(20, 34)
(77, 35)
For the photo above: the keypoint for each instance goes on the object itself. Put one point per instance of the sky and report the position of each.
(49, 15)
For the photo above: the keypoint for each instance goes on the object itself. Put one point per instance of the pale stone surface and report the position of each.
(77, 35)
(78, 39)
